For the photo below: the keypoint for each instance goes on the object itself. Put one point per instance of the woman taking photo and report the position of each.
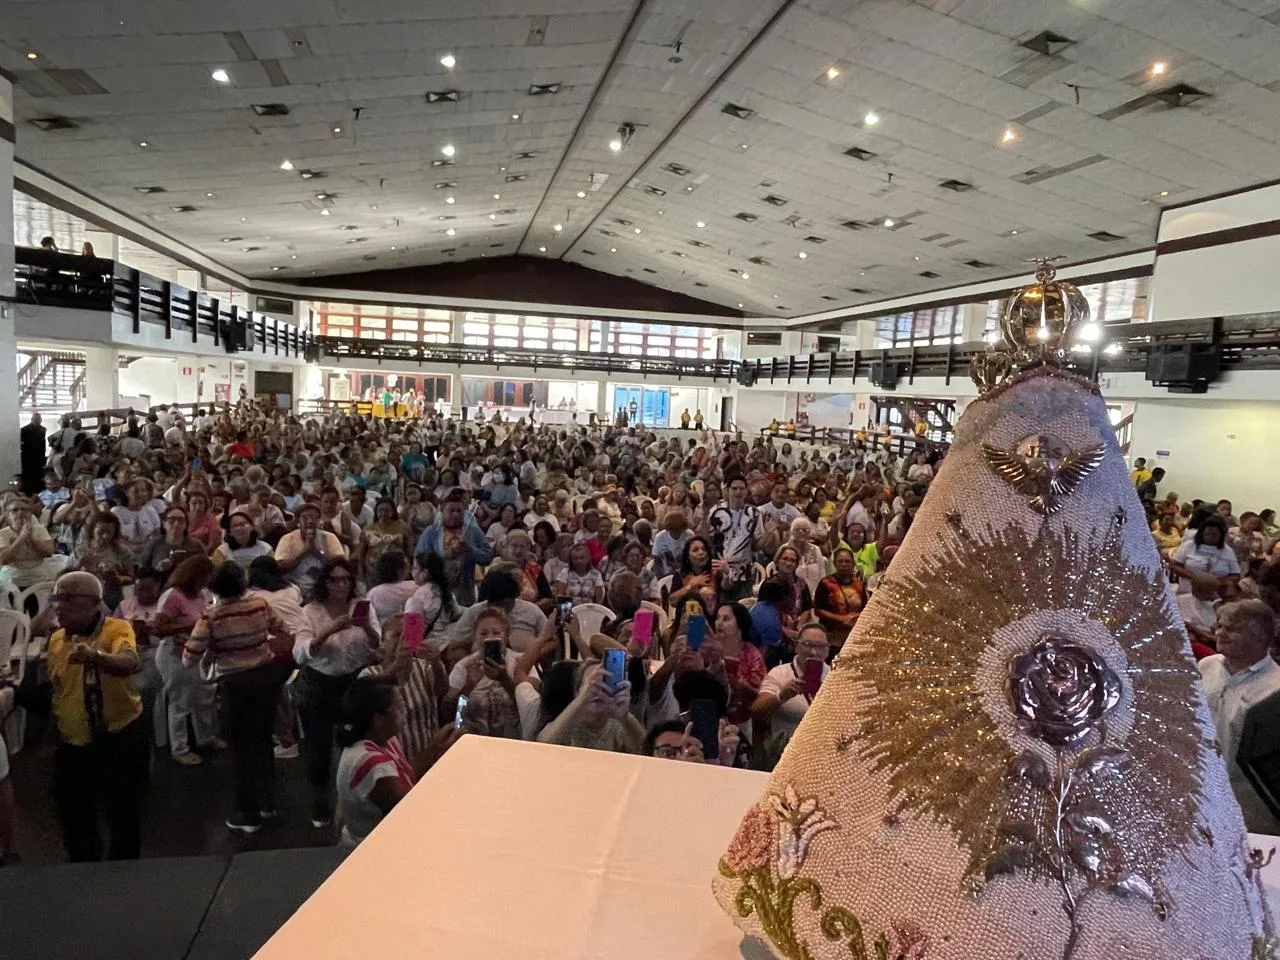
(187, 695)
(167, 551)
(245, 648)
(841, 597)
(634, 557)
(242, 545)
(695, 579)
(581, 581)
(737, 664)
(811, 565)
(343, 640)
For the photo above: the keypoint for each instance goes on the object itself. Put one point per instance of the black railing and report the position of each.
(498, 357)
(44, 277)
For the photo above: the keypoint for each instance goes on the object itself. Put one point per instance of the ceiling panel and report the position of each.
(944, 78)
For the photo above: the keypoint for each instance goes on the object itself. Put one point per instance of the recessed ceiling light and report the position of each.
(515, 116)
(558, 227)
(739, 306)
(1164, 193)
(637, 229)
(802, 255)
(833, 72)
(502, 169)
(337, 129)
(230, 239)
(450, 232)
(143, 144)
(1159, 68)
(244, 219)
(373, 206)
(615, 145)
(277, 268)
(324, 212)
(889, 221)
(915, 258)
(542, 249)
(497, 196)
(393, 246)
(286, 165)
(220, 75)
(871, 119)
(582, 194)
(1009, 135)
(448, 61)
(745, 275)
(743, 146)
(293, 256)
(613, 249)
(448, 150)
(775, 296)
(493, 216)
(700, 224)
(450, 200)
(1013, 233)
(32, 55)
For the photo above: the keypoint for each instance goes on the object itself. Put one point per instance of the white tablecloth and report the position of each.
(510, 849)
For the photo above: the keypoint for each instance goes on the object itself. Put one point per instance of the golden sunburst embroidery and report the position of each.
(929, 729)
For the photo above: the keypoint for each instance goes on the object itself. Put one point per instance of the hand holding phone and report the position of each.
(493, 652)
(642, 630)
(696, 630)
(812, 677)
(414, 627)
(615, 668)
(360, 613)
(457, 717)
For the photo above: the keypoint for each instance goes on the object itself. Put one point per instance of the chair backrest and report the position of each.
(664, 592)
(591, 617)
(14, 629)
(9, 596)
(35, 598)
(760, 576)
(748, 602)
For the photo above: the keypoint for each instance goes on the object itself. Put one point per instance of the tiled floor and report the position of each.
(184, 811)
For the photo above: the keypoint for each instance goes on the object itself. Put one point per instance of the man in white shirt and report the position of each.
(777, 513)
(1242, 673)
(735, 532)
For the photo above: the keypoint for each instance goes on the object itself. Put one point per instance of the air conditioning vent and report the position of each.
(859, 154)
(270, 109)
(735, 110)
(442, 96)
(959, 186)
(1105, 236)
(746, 217)
(48, 124)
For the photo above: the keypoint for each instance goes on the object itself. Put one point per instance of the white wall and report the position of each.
(1233, 278)
(826, 410)
(1212, 450)
(753, 408)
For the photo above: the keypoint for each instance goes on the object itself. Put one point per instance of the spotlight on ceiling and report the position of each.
(286, 165)
(220, 75)
(448, 150)
(623, 139)
(871, 119)
(1159, 68)
(448, 61)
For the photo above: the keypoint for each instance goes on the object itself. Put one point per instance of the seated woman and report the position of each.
(634, 558)
(105, 556)
(581, 582)
(26, 549)
(374, 774)
(695, 580)
(798, 600)
(811, 565)
(242, 545)
(202, 525)
(517, 548)
(734, 661)
(841, 597)
(580, 709)
(486, 677)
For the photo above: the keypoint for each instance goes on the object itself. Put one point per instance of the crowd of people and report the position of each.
(360, 592)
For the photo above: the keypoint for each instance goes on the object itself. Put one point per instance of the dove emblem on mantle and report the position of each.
(1044, 469)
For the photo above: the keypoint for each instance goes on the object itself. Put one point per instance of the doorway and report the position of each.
(726, 415)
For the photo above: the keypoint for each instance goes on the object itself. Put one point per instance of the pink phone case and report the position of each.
(642, 629)
(413, 630)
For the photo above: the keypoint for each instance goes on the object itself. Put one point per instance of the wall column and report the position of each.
(974, 323)
(102, 378)
(9, 460)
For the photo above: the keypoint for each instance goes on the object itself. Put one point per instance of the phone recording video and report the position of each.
(457, 716)
(493, 652)
(615, 668)
(360, 612)
(696, 630)
(642, 629)
(706, 727)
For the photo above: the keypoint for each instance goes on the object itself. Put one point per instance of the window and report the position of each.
(932, 326)
(404, 324)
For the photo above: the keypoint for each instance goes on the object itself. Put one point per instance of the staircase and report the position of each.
(51, 380)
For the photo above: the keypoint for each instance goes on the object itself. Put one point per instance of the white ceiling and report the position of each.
(946, 77)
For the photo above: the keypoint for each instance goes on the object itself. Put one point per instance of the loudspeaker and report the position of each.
(884, 375)
(746, 374)
(1184, 365)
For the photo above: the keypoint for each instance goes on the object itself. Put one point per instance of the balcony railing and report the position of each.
(499, 357)
(46, 278)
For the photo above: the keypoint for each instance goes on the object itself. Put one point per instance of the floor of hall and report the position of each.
(184, 812)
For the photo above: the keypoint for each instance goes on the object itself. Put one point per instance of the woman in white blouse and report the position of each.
(344, 635)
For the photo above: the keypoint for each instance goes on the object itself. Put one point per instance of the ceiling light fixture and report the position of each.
(277, 268)
(220, 75)
(515, 116)
(1164, 193)
(448, 150)
(1013, 233)
(293, 256)
(743, 146)
(373, 206)
(32, 55)
(209, 196)
(324, 212)
(558, 227)
(871, 119)
(143, 144)
(802, 255)
(450, 232)
(497, 196)
(739, 306)
(637, 229)
(700, 224)
(542, 249)
(1159, 68)
(615, 145)
(1009, 135)
(613, 249)
(493, 216)
(286, 165)
(582, 194)
(450, 200)
(889, 222)
(337, 129)
(745, 275)
(448, 61)
(833, 72)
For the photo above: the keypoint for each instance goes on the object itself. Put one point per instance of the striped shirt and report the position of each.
(235, 632)
(420, 719)
(360, 767)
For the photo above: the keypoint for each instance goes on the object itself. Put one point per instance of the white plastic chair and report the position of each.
(15, 648)
(9, 595)
(760, 576)
(40, 593)
(664, 592)
(591, 617)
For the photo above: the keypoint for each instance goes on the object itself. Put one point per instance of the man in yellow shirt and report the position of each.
(1140, 474)
(101, 763)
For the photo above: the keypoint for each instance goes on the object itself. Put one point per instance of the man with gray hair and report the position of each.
(1242, 673)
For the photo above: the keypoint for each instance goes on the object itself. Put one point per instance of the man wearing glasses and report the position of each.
(101, 762)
